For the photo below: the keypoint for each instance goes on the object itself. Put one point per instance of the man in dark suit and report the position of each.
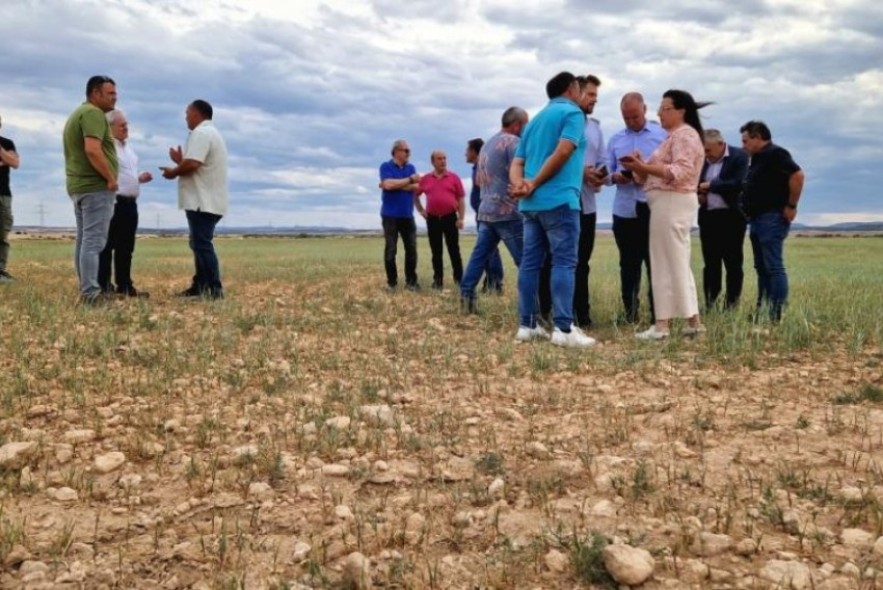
(721, 222)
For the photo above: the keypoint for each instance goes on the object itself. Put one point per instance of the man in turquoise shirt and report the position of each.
(546, 176)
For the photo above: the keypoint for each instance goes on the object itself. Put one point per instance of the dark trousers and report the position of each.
(493, 271)
(119, 247)
(439, 228)
(202, 232)
(393, 227)
(632, 235)
(722, 234)
(581, 304)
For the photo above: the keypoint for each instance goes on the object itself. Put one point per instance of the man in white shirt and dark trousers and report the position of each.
(202, 192)
(124, 223)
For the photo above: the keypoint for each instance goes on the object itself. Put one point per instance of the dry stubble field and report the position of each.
(314, 431)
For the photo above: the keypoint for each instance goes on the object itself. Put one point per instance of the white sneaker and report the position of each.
(526, 334)
(652, 333)
(576, 338)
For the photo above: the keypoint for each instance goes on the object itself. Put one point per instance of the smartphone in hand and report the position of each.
(627, 159)
(602, 171)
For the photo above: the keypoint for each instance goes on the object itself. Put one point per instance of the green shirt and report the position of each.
(87, 121)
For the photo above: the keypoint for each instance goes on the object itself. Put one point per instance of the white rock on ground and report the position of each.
(787, 574)
(495, 490)
(556, 561)
(15, 455)
(261, 491)
(628, 565)
(109, 462)
(414, 528)
(709, 544)
(357, 571)
(856, 538)
(301, 551)
(381, 415)
(79, 436)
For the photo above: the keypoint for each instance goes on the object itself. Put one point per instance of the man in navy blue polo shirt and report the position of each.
(398, 179)
(546, 176)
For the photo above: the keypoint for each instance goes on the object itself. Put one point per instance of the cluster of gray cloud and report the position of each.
(310, 95)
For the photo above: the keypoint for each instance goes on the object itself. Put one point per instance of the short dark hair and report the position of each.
(475, 144)
(96, 82)
(588, 79)
(559, 84)
(756, 129)
(203, 107)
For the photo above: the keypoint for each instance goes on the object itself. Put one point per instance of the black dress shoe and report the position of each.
(191, 292)
(133, 292)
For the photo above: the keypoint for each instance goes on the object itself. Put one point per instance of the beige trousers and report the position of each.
(671, 218)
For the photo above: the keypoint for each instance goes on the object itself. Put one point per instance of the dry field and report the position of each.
(315, 431)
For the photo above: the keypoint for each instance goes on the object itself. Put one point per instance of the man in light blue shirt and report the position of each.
(546, 176)
(631, 216)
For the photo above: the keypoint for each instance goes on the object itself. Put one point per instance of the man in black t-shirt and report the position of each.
(8, 159)
(769, 198)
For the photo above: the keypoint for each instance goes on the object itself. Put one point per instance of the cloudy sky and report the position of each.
(310, 94)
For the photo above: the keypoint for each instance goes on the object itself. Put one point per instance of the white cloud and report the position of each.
(309, 94)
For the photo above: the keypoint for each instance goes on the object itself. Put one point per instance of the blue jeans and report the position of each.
(202, 232)
(768, 233)
(93, 212)
(490, 234)
(556, 232)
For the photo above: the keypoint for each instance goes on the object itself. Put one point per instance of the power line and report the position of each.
(41, 211)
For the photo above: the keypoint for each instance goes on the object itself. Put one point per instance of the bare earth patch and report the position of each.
(313, 430)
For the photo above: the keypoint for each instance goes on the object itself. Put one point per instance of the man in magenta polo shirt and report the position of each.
(444, 214)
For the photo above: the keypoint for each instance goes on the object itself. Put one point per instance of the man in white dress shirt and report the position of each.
(124, 223)
(201, 170)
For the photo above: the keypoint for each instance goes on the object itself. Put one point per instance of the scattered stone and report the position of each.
(457, 469)
(556, 561)
(787, 574)
(709, 544)
(381, 466)
(338, 422)
(746, 547)
(15, 455)
(856, 538)
(537, 450)
(75, 575)
(381, 415)
(495, 490)
(29, 567)
(76, 437)
(109, 462)
(342, 512)
(683, 451)
(130, 481)
(851, 570)
(64, 494)
(414, 528)
(16, 555)
(850, 494)
(357, 571)
(628, 565)
(301, 551)
(604, 508)
(878, 546)
(261, 491)
(335, 470)
(462, 519)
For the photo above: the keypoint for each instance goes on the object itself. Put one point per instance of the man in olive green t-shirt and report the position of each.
(91, 168)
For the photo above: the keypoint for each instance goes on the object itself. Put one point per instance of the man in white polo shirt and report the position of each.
(124, 223)
(202, 193)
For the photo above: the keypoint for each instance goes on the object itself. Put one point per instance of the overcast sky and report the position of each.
(309, 95)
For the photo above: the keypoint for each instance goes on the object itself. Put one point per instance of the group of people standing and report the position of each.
(536, 183)
(103, 182)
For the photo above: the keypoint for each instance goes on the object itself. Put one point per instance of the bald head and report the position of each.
(439, 161)
(634, 111)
